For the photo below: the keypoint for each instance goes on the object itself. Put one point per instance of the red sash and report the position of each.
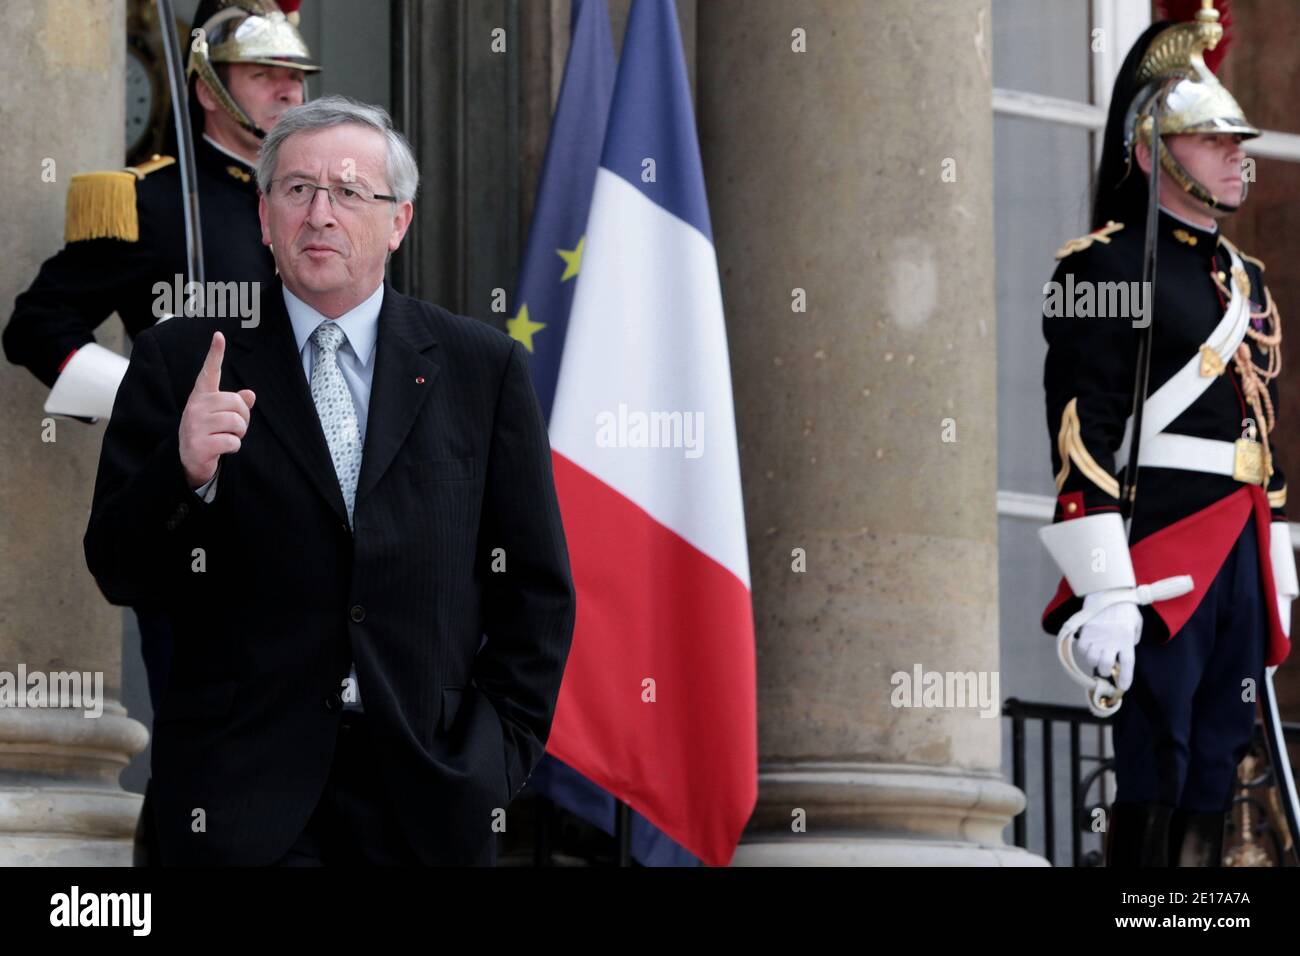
(1197, 545)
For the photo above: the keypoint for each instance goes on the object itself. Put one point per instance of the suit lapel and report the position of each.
(404, 376)
(267, 360)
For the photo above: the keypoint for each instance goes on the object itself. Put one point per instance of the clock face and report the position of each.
(139, 99)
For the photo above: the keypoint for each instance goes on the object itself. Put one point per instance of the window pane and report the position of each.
(1042, 46)
(1040, 191)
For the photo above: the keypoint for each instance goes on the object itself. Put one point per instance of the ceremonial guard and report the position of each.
(1179, 572)
(125, 232)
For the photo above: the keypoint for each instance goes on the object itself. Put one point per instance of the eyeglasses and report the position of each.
(300, 192)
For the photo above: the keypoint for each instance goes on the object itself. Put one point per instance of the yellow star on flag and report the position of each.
(572, 260)
(521, 328)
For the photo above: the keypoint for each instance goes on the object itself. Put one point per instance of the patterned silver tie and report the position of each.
(338, 416)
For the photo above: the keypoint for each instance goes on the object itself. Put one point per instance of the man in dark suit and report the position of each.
(348, 509)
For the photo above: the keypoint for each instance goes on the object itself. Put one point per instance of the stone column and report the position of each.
(860, 172)
(63, 98)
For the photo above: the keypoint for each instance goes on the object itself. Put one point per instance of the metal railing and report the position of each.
(1049, 715)
(1253, 793)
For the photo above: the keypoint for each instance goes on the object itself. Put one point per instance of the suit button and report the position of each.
(182, 510)
(358, 613)
(334, 701)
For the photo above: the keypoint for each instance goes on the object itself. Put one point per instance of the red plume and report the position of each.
(1187, 10)
(291, 6)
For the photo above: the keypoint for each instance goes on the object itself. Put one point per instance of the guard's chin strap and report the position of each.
(240, 116)
(226, 100)
(1193, 188)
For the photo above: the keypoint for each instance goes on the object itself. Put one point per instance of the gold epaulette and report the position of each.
(1083, 242)
(102, 205)
(1224, 239)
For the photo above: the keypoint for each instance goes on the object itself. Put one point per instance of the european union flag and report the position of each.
(553, 254)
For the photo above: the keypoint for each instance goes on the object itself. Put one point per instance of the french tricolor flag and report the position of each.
(658, 704)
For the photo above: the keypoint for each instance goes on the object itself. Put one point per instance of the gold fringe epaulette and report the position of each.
(1101, 235)
(102, 205)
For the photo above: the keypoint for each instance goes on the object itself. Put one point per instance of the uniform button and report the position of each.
(334, 702)
(358, 613)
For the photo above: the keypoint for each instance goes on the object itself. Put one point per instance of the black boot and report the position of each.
(1138, 835)
(1196, 839)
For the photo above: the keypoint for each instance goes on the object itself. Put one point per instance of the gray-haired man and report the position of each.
(321, 508)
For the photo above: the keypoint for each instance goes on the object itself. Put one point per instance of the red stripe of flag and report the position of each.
(653, 606)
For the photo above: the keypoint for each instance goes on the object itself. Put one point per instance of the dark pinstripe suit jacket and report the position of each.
(272, 596)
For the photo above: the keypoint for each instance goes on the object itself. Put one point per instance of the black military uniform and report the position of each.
(1208, 509)
(91, 278)
(1095, 356)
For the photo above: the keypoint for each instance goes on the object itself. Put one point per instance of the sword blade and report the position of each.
(184, 141)
(1276, 739)
(1128, 492)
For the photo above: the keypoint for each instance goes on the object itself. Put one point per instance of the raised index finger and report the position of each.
(209, 378)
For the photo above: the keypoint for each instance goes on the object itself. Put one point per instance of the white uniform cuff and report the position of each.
(1092, 552)
(88, 383)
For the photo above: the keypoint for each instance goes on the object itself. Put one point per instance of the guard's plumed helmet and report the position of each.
(1173, 73)
(245, 31)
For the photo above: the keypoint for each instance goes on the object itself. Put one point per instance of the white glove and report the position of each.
(1284, 612)
(1109, 638)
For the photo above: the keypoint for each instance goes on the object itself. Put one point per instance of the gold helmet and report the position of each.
(1173, 76)
(245, 31)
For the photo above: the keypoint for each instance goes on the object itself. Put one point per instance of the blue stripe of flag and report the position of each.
(564, 196)
(651, 141)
